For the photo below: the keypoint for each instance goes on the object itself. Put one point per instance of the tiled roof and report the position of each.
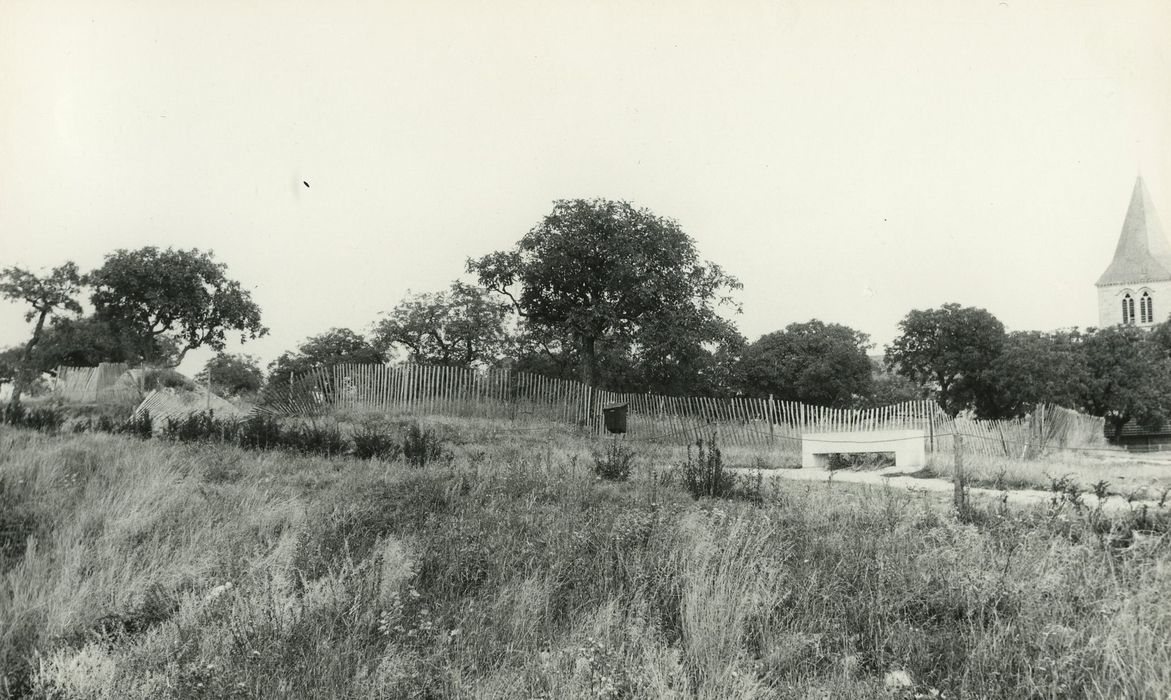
(1143, 254)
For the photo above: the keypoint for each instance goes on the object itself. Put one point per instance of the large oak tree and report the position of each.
(462, 325)
(600, 271)
(45, 295)
(182, 295)
(1129, 377)
(949, 350)
(1034, 368)
(813, 362)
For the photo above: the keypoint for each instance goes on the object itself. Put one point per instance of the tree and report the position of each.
(88, 341)
(812, 362)
(1034, 368)
(597, 271)
(1129, 378)
(10, 363)
(182, 295)
(888, 389)
(232, 375)
(949, 350)
(461, 325)
(45, 295)
(334, 347)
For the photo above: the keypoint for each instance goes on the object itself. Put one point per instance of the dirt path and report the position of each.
(895, 477)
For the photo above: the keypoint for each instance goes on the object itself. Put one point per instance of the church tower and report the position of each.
(1136, 289)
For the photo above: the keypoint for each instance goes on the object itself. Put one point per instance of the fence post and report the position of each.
(931, 425)
(771, 438)
(959, 474)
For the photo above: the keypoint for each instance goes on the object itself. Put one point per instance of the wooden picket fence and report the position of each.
(754, 422)
(108, 382)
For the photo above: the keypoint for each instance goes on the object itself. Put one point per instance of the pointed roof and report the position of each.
(1143, 254)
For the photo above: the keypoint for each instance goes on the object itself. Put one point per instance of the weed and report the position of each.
(201, 426)
(372, 443)
(613, 463)
(311, 439)
(705, 476)
(46, 420)
(423, 445)
(260, 432)
(139, 425)
(1101, 489)
(861, 460)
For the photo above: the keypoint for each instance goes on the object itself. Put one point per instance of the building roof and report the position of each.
(1143, 254)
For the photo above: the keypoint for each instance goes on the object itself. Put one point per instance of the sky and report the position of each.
(847, 161)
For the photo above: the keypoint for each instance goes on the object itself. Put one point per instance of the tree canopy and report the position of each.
(949, 350)
(1034, 368)
(812, 362)
(335, 346)
(462, 325)
(599, 270)
(183, 295)
(88, 341)
(45, 295)
(1129, 377)
(232, 375)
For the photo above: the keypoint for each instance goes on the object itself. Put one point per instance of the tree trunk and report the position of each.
(1117, 423)
(177, 361)
(23, 371)
(589, 358)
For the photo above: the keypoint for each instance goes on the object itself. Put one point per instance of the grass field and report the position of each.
(1109, 472)
(134, 569)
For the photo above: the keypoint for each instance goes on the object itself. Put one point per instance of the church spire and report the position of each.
(1143, 254)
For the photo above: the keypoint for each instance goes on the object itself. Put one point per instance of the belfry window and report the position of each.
(1128, 310)
(1146, 308)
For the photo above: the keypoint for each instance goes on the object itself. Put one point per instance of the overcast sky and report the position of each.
(848, 161)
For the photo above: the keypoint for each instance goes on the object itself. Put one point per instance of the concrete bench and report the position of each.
(906, 444)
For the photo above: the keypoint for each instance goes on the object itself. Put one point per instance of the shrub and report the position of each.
(422, 445)
(260, 432)
(613, 463)
(200, 426)
(13, 414)
(312, 439)
(372, 443)
(139, 425)
(703, 474)
(46, 420)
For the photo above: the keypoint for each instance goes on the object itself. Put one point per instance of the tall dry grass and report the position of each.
(1110, 472)
(151, 570)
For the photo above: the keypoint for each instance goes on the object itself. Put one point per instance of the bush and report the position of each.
(13, 414)
(704, 475)
(201, 426)
(613, 464)
(260, 432)
(372, 443)
(423, 445)
(46, 420)
(139, 425)
(313, 440)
